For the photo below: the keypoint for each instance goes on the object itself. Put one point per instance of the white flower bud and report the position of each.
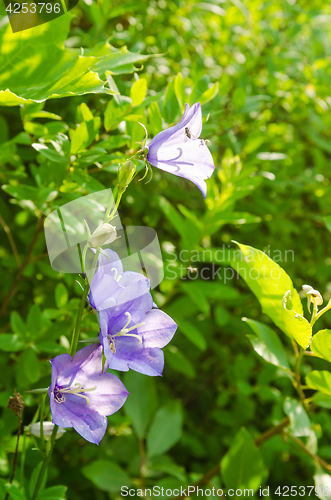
(34, 429)
(313, 296)
(104, 234)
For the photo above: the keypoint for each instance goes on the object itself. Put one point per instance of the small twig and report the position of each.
(318, 459)
(11, 240)
(277, 429)
(16, 404)
(20, 270)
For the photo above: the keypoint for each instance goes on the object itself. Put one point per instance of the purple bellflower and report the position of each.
(82, 395)
(179, 150)
(132, 332)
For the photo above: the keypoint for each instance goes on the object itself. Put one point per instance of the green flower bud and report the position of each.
(125, 175)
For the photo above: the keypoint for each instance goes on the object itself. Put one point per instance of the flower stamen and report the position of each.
(60, 391)
(125, 331)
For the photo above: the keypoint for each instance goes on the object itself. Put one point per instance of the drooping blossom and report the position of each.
(132, 332)
(179, 150)
(82, 395)
(48, 427)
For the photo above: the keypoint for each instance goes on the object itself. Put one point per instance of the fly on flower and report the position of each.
(179, 150)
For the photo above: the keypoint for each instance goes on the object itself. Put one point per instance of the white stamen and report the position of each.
(77, 391)
(125, 331)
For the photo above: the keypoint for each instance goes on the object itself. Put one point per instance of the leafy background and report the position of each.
(262, 73)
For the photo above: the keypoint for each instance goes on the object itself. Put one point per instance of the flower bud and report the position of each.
(34, 429)
(313, 296)
(105, 233)
(125, 175)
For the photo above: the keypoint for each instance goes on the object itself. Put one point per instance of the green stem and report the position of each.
(41, 418)
(45, 464)
(317, 315)
(74, 340)
(75, 334)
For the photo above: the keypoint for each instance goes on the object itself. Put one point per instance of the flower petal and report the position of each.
(90, 424)
(158, 329)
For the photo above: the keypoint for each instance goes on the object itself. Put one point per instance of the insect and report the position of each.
(189, 135)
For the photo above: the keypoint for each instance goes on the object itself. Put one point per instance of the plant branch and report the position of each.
(214, 471)
(11, 240)
(20, 270)
(318, 459)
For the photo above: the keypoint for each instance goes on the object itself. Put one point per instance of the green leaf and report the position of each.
(327, 221)
(192, 333)
(11, 342)
(267, 280)
(199, 89)
(115, 113)
(186, 229)
(323, 400)
(32, 69)
(179, 362)
(267, 344)
(138, 91)
(50, 154)
(296, 325)
(155, 118)
(30, 365)
(34, 321)
(209, 94)
(198, 295)
(165, 464)
(54, 493)
(300, 423)
(22, 192)
(17, 324)
(14, 492)
(61, 295)
(320, 381)
(170, 105)
(242, 467)
(141, 403)
(239, 97)
(106, 475)
(165, 430)
(180, 91)
(321, 344)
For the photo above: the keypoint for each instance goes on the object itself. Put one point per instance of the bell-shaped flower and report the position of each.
(179, 150)
(132, 332)
(82, 394)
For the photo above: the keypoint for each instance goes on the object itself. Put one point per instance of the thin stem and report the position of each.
(45, 464)
(23, 458)
(76, 331)
(322, 311)
(20, 270)
(318, 459)
(16, 451)
(11, 240)
(41, 418)
(214, 471)
(298, 376)
(142, 464)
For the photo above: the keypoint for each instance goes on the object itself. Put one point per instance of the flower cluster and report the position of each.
(132, 329)
(132, 333)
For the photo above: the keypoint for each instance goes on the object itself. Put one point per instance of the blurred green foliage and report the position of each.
(262, 73)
